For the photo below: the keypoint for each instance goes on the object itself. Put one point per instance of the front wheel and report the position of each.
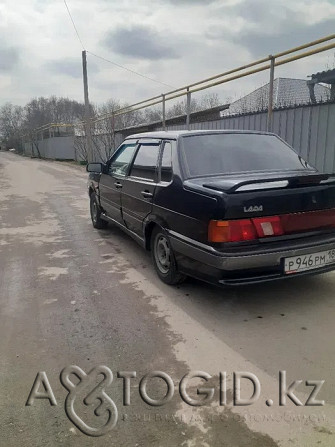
(163, 258)
(96, 213)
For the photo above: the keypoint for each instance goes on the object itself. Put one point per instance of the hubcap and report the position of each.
(162, 254)
(94, 211)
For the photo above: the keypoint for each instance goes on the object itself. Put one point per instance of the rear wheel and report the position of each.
(96, 213)
(163, 258)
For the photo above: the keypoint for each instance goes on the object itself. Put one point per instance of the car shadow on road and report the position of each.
(280, 325)
(289, 294)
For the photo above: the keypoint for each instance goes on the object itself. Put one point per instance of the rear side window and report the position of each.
(145, 163)
(166, 163)
(119, 165)
(233, 153)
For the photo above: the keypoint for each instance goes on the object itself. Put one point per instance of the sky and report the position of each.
(176, 42)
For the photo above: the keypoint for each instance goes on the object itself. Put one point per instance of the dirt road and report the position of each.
(72, 295)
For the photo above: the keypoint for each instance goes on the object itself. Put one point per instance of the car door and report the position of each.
(139, 187)
(111, 182)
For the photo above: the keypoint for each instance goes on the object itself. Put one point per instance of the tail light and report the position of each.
(231, 230)
(268, 226)
(250, 229)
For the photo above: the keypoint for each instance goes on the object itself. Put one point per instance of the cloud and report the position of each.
(190, 2)
(9, 56)
(139, 42)
(268, 30)
(195, 39)
(260, 11)
(69, 67)
(294, 33)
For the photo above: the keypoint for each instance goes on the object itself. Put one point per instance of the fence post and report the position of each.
(163, 111)
(74, 143)
(113, 131)
(188, 108)
(270, 104)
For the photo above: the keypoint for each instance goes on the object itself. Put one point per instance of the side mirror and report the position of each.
(98, 168)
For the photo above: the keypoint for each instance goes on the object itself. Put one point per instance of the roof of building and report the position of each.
(211, 114)
(327, 76)
(286, 92)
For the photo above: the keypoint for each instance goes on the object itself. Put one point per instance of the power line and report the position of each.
(131, 71)
(74, 25)
(106, 60)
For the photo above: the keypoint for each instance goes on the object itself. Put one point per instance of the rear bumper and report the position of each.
(245, 267)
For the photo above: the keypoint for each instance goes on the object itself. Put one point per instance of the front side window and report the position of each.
(122, 160)
(145, 163)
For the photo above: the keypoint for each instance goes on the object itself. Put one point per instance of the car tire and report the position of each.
(96, 213)
(163, 258)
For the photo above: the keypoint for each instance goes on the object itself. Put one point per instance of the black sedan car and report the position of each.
(228, 207)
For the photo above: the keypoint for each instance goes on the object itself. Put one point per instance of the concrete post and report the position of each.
(188, 109)
(87, 110)
(270, 104)
(163, 112)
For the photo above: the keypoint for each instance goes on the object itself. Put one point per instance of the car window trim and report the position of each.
(182, 159)
(160, 159)
(142, 180)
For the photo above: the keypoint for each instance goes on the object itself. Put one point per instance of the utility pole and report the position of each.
(87, 111)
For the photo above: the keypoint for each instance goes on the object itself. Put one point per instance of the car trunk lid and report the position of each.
(272, 205)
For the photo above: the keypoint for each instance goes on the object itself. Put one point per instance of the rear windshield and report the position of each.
(232, 153)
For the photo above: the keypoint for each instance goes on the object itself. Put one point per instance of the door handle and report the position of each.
(147, 194)
(118, 185)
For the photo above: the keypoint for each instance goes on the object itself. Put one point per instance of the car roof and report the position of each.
(175, 134)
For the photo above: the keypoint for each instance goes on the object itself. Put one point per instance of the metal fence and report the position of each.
(309, 129)
(56, 148)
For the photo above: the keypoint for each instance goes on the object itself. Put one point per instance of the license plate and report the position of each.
(297, 264)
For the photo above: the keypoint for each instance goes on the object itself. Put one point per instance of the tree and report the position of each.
(207, 101)
(16, 121)
(152, 114)
(103, 130)
(41, 111)
(11, 124)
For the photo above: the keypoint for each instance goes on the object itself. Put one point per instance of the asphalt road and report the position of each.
(73, 295)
